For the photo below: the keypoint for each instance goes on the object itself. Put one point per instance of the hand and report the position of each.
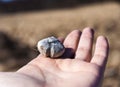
(84, 70)
(77, 67)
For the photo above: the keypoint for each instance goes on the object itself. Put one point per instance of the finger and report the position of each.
(61, 39)
(71, 43)
(84, 49)
(101, 51)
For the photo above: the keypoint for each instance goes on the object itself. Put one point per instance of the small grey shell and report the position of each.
(50, 47)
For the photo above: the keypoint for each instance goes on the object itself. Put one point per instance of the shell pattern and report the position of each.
(50, 47)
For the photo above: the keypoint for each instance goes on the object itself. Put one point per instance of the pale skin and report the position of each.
(76, 68)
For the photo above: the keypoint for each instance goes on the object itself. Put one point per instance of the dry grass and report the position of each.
(105, 18)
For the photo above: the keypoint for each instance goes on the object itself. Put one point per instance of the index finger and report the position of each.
(71, 43)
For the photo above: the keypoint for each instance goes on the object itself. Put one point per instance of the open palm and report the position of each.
(76, 68)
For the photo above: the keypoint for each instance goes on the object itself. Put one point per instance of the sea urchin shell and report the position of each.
(50, 47)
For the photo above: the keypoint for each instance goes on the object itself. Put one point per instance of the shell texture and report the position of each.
(50, 47)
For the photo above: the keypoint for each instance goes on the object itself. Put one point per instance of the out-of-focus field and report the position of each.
(25, 29)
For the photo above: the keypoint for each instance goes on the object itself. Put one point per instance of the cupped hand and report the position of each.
(76, 68)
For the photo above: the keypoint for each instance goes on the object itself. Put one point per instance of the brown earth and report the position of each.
(20, 32)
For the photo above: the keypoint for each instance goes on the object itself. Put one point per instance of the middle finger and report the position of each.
(84, 50)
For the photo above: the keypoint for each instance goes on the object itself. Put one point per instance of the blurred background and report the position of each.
(24, 22)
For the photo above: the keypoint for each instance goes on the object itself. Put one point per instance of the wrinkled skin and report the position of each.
(83, 70)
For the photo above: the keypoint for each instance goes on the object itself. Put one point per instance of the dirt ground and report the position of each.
(19, 33)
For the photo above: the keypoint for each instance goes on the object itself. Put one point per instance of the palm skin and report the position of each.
(65, 73)
(83, 70)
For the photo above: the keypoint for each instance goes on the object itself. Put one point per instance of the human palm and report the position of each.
(76, 68)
